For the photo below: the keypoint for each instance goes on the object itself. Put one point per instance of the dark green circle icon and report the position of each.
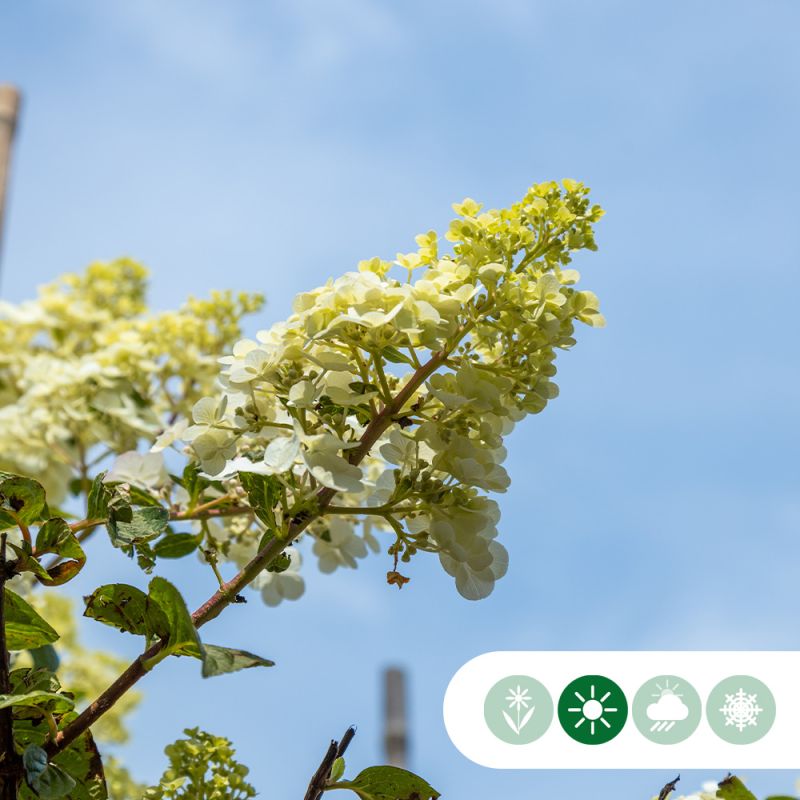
(592, 709)
(518, 709)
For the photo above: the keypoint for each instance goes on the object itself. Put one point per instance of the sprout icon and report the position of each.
(518, 709)
(518, 699)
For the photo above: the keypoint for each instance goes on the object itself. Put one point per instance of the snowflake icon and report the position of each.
(741, 709)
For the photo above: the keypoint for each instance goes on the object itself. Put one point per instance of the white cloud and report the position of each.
(669, 707)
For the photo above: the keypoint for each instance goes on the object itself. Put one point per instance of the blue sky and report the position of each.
(268, 146)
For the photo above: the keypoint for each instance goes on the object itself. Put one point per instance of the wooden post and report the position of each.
(395, 730)
(9, 113)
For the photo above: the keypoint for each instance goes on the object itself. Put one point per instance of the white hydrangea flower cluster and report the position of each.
(86, 370)
(388, 399)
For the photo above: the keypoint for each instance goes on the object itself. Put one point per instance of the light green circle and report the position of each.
(741, 709)
(667, 709)
(518, 709)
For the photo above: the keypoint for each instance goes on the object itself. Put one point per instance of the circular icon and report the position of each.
(518, 709)
(592, 709)
(667, 709)
(740, 709)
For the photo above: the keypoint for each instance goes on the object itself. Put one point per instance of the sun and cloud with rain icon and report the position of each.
(668, 709)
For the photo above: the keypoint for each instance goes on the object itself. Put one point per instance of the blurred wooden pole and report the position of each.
(9, 113)
(395, 730)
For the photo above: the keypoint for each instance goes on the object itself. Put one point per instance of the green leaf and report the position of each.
(127, 608)
(34, 760)
(280, 563)
(396, 356)
(181, 634)
(192, 482)
(140, 497)
(25, 560)
(56, 702)
(53, 782)
(145, 557)
(25, 629)
(177, 545)
(144, 524)
(98, 499)
(45, 657)
(195, 484)
(55, 536)
(219, 660)
(263, 492)
(337, 770)
(21, 500)
(82, 761)
(731, 788)
(390, 783)
(29, 679)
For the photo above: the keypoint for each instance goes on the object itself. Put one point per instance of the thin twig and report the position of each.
(323, 773)
(85, 528)
(668, 789)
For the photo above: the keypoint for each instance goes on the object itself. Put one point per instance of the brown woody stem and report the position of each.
(323, 773)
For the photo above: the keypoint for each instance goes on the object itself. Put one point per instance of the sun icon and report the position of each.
(592, 709)
(666, 689)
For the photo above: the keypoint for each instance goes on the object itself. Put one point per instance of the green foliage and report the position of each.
(220, 660)
(176, 545)
(180, 634)
(49, 781)
(40, 708)
(52, 701)
(22, 500)
(76, 773)
(55, 536)
(127, 608)
(25, 629)
(731, 788)
(202, 767)
(263, 492)
(142, 525)
(79, 668)
(162, 614)
(386, 783)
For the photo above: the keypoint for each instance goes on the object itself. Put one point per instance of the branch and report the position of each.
(668, 789)
(323, 773)
(9, 761)
(86, 527)
(227, 593)
(201, 512)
